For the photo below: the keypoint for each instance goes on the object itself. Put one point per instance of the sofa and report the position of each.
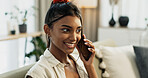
(110, 62)
(121, 61)
(17, 73)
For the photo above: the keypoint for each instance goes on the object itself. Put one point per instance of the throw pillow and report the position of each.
(142, 60)
(119, 62)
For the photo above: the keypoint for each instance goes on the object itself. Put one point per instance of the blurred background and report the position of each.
(22, 40)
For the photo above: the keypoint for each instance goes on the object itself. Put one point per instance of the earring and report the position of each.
(48, 40)
(48, 36)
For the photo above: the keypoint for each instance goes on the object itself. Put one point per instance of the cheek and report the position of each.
(55, 36)
(61, 37)
(79, 37)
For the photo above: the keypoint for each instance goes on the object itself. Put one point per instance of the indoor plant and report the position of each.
(21, 16)
(39, 48)
(24, 15)
(23, 26)
(12, 21)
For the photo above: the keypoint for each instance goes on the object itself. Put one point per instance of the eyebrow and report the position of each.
(70, 26)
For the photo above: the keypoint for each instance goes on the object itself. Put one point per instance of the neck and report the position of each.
(59, 54)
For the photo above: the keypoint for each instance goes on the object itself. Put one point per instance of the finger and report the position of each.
(93, 54)
(84, 36)
(89, 45)
(86, 40)
(91, 50)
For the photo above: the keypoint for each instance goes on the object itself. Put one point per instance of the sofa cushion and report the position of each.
(142, 60)
(107, 42)
(119, 62)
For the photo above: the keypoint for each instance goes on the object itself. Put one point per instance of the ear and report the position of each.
(47, 29)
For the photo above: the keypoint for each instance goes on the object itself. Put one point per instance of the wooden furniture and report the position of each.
(23, 35)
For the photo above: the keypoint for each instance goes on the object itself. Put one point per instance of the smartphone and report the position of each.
(84, 49)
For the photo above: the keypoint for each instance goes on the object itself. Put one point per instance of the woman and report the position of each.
(63, 25)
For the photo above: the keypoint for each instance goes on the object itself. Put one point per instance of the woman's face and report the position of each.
(65, 34)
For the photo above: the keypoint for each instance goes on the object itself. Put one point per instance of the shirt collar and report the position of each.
(53, 61)
(50, 58)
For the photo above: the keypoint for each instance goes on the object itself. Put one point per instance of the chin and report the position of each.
(69, 51)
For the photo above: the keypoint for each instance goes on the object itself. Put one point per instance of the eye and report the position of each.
(78, 30)
(65, 30)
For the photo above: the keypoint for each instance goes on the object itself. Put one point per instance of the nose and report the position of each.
(73, 36)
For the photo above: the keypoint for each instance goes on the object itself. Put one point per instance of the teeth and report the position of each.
(70, 44)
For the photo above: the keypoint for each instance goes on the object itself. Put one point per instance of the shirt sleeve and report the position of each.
(38, 72)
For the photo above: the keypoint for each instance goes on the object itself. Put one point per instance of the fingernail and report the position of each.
(84, 39)
(84, 35)
(89, 48)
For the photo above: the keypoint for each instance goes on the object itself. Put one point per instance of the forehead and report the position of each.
(69, 20)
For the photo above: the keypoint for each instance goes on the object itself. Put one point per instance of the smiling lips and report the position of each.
(70, 45)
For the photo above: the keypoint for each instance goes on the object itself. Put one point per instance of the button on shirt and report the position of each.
(49, 67)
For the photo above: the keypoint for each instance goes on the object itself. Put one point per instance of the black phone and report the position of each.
(84, 49)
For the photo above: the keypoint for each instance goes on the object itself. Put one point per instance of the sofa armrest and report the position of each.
(17, 73)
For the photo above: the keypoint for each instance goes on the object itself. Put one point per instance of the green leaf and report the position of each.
(39, 47)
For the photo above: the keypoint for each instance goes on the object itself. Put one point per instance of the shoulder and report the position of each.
(39, 70)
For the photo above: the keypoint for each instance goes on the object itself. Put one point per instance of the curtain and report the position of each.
(90, 23)
(43, 6)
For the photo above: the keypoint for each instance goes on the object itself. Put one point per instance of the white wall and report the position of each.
(12, 51)
(136, 10)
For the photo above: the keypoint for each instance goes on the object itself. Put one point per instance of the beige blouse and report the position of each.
(49, 67)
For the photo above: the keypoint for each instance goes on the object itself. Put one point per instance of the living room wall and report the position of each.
(90, 18)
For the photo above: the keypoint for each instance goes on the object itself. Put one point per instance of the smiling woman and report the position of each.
(63, 28)
(68, 35)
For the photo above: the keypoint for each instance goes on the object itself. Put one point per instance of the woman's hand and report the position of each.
(89, 64)
(91, 49)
